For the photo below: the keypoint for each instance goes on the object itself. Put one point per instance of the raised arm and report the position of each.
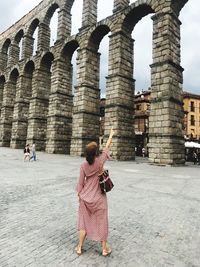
(110, 138)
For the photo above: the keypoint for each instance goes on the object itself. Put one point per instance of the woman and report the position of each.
(27, 152)
(93, 208)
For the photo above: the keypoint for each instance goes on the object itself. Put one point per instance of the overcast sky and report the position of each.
(12, 10)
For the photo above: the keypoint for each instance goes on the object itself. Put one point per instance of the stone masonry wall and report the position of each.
(36, 100)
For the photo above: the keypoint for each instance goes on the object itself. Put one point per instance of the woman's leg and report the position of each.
(82, 235)
(105, 248)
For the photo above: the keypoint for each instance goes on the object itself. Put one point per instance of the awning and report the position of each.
(192, 144)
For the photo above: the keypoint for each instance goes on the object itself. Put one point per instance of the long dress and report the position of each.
(93, 207)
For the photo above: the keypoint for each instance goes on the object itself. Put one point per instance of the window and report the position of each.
(192, 106)
(192, 120)
(138, 107)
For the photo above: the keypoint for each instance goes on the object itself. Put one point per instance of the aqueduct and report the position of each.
(36, 100)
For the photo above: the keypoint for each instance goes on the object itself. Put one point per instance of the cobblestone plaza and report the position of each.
(154, 213)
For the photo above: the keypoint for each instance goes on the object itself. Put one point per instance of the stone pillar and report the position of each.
(59, 122)
(21, 111)
(38, 111)
(7, 112)
(13, 57)
(43, 37)
(120, 96)
(64, 24)
(28, 42)
(119, 4)
(166, 142)
(89, 15)
(3, 61)
(86, 125)
(2, 82)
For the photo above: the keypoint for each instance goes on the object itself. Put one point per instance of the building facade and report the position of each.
(191, 107)
(192, 116)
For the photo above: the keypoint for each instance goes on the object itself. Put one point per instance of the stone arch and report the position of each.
(166, 89)
(68, 49)
(39, 104)
(118, 109)
(34, 24)
(21, 106)
(59, 122)
(87, 89)
(5, 54)
(30, 44)
(19, 36)
(133, 17)
(97, 35)
(50, 12)
(16, 48)
(67, 53)
(2, 83)
(44, 33)
(136, 14)
(9, 96)
(29, 67)
(6, 45)
(18, 40)
(28, 74)
(53, 17)
(46, 61)
(14, 74)
(48, 72)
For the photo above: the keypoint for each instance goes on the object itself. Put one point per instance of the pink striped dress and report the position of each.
(93, 208)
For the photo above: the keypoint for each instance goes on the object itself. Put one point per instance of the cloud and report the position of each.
(7, 14)
(12, 10)
(190, 41)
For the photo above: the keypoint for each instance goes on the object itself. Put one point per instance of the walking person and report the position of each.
(33, 152)
(143, 152)
(198, 157)
(27, 152)
(93, 207)
(194, 155)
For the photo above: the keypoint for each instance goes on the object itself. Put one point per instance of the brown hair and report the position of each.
(91, 152)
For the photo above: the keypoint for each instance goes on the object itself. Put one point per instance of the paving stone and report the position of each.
(153, 214)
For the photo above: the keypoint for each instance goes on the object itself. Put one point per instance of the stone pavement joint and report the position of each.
(153, 214)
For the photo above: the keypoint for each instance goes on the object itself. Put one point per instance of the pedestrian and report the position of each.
(27, 152)
(198, 157)
(194, 156)
(93, 207)
(143, 152)
(33, 152)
